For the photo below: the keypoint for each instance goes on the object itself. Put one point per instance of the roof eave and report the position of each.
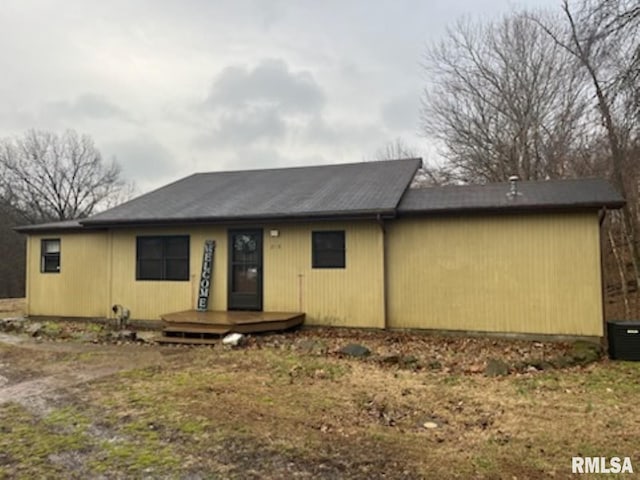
(319, 216)
(36, 229)
(613, 205)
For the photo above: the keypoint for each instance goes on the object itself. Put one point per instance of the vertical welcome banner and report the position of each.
(205, 276)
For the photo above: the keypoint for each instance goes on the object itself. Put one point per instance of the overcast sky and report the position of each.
(169, 88)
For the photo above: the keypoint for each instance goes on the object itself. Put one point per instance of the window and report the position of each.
(327, 249)
(50, 255)
(162, 258)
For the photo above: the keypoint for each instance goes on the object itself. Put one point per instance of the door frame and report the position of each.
(260, 261)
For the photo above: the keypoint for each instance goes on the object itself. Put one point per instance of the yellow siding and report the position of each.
(79, 290)
(147, 300)
(517, 274)
(352, 296)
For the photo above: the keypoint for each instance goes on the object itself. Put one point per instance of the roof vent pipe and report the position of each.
(513, 189)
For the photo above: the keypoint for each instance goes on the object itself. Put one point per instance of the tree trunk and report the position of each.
(623, 281)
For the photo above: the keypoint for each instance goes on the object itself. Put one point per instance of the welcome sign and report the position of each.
(205, 276)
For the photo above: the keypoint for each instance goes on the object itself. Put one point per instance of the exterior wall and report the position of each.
(519, 274)
(347, 297)
(350, 297)
(147, 299)
(80, 288)
(99, 270)
(504, 273)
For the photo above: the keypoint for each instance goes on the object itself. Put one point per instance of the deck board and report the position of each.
(181, 327)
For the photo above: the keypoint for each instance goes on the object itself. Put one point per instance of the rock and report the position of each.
(391, 359)
(234, 339)
(562, 362)
(12, 324)
(146, 336)
(496, 368)
(408, 360)
(476, 368)
(585, 352)
(311, 347)
(123, 336)
(34, 329)
(355, 350)
(87, 337)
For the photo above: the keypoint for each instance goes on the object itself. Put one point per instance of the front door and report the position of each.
(245, 270)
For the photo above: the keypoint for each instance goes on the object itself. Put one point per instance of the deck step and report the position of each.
(206, 328)
(188, 341)
(191, 328)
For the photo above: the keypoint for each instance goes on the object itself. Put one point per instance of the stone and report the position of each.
(409, 362)
(355, 350)
(563, 361)
(496, 368)
(234, 339)
(146, 336)
(12, 324)
(311, 347)
(540, 364)
(124, 336)
(476, 368)
(87, 337)
(584, 353)
(392, 359)
(34, 329)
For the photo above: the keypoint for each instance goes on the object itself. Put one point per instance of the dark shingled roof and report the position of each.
(347, 190)
(334, 191)
(65, 225)
(540, 195)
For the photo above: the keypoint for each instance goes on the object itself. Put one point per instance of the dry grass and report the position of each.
(269, 411)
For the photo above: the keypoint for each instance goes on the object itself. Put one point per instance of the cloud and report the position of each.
(269, 84)
(250, 157)
(318, 131)
(401, 112)
(143, 159)
(86, 106)
(248, 126)
(258, 106)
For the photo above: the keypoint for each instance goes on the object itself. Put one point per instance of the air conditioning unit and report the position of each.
(624, 340)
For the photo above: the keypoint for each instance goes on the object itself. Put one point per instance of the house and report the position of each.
(349, 245)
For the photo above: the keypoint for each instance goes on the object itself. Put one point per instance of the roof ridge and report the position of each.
(506, 182)
(297, 167)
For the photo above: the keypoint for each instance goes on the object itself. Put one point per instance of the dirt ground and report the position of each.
(291, 406)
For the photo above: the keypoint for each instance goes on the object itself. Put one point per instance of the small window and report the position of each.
(328, 249)
(50, 255)
(162, 258)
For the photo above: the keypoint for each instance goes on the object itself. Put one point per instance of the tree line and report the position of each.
(46, 177)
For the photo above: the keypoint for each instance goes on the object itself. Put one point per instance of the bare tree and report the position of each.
(45, 177)
(503, 99)
(396, 149)
(427, 175)
(602, 36)
(603, 39)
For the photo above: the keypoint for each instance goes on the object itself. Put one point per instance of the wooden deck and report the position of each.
(196, 327)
